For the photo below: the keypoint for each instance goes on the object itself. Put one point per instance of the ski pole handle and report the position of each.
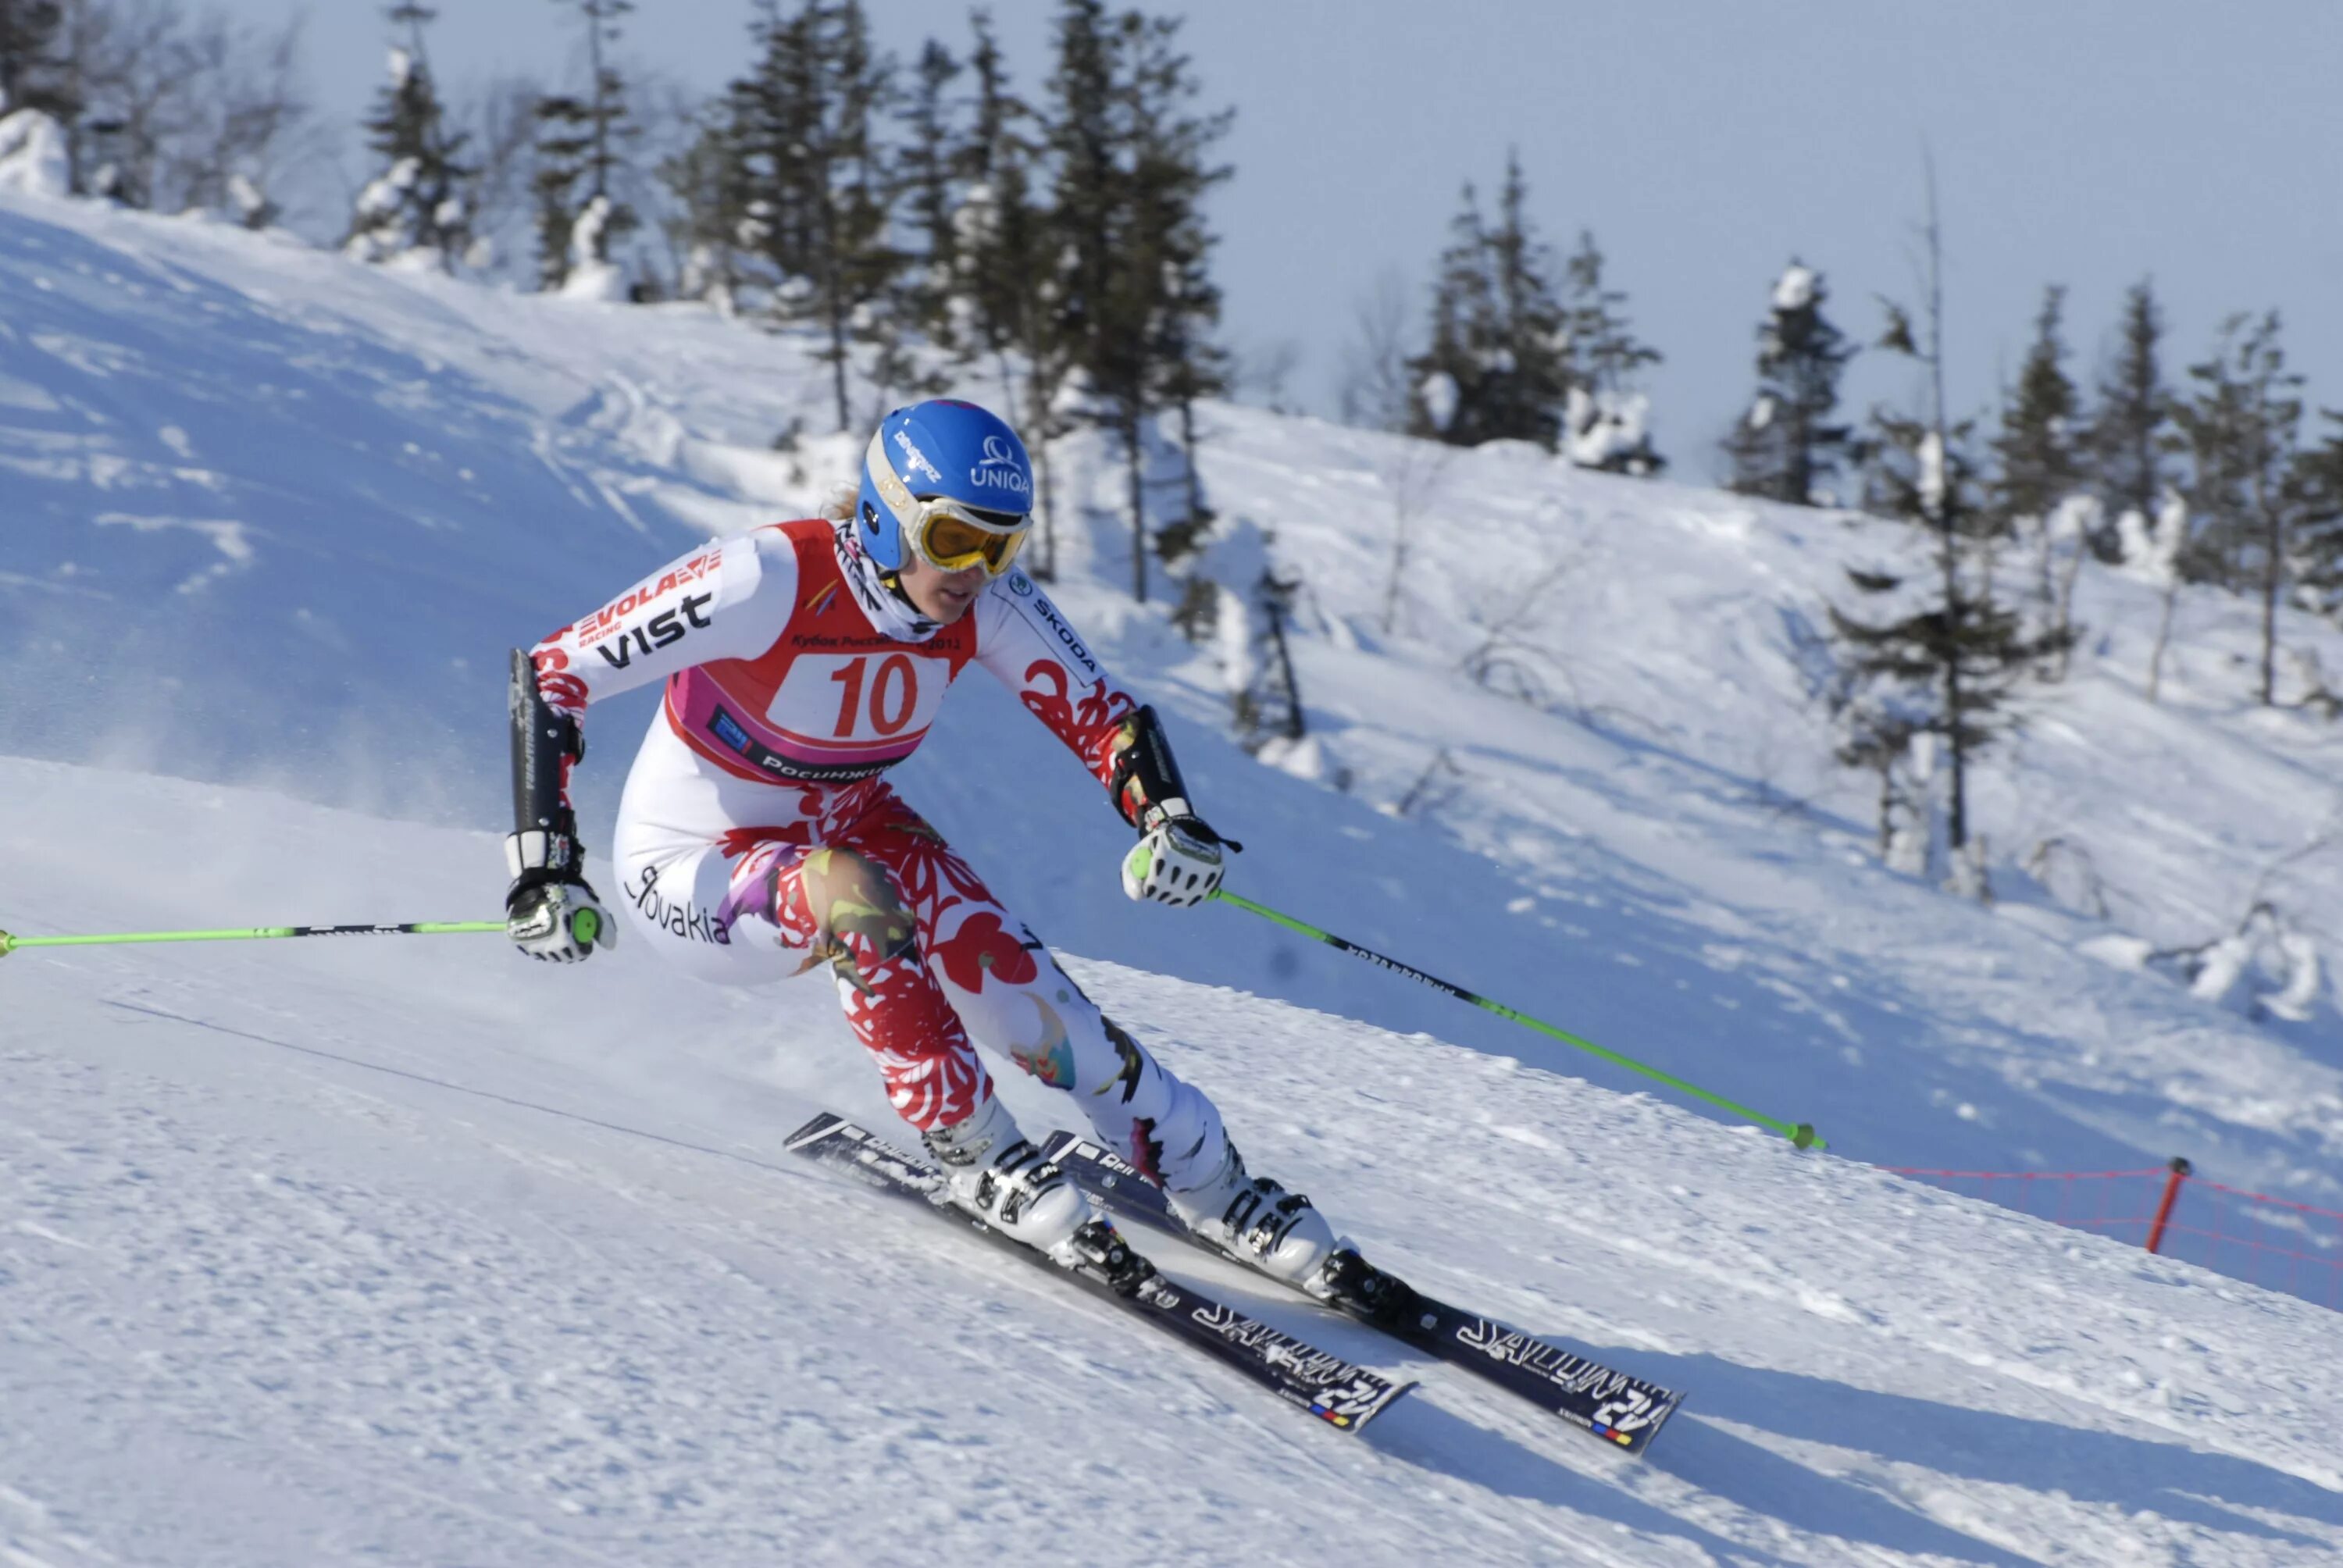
(9, 942)
(1801, 1133)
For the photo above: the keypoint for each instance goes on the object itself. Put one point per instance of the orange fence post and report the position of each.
(2177, 1173)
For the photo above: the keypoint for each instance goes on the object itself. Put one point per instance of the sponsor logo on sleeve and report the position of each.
(660, 631)
(606, 620)
(1046, 613)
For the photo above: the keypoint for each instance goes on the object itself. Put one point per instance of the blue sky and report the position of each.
(2089, 143)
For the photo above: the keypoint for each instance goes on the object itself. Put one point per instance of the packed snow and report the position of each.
(311, 1251)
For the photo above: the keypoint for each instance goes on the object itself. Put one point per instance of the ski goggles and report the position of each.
(954, 536)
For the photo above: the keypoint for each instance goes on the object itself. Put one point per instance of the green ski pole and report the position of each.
(1801, 1133)
(9, 943)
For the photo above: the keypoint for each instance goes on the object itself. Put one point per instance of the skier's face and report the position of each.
(942, 597)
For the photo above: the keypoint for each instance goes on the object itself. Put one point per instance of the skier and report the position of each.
(759, 837)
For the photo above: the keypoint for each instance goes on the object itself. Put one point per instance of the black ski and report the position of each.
(1335, 1391)
(1621, 1409)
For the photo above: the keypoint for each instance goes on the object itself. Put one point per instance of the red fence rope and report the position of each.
(2277, 1242)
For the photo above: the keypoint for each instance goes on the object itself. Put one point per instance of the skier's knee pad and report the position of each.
(860, 917)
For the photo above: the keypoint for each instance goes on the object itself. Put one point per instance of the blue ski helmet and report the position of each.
(939, 449)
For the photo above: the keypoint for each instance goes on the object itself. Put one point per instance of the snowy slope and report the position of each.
(274, 517)
(508, 1273)
(409, 1251)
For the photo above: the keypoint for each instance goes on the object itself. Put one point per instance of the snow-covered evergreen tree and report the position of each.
(2243, 429)
(996, 230)
(1496, 366)
(1133, 299)
(415, 211)
(2039, 491)
(1946, 639)
(1785, 447)
(2130, 428)
(2039, 460)
(34, 74)
(35, 159)
(930, 170)
(581, 213)
(1606, 420)
(710, 229)
(2316, 485)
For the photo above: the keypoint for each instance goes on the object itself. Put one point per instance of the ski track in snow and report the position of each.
(403, 1250)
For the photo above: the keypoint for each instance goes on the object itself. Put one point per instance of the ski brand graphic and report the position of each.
(600, 624)
(1001, 469)
(918, 460)
(1306, 1361)
(1625, 1408)
(1340, 1394)
(658, 631)
(1610, 1405)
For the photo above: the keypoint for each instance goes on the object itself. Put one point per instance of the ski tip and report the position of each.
(823, 1124)
(1639, 1441)
(1353, 1419)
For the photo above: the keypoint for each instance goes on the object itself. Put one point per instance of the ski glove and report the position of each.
(551, 912)
(1177, 862)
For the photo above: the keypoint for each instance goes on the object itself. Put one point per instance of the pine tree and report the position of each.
(579, 154)
(1496, 366)
(1006, 268)
(1606, 419)
(416, 205)
(2038, 451)
(930, 171)
(2243, 429)
(708, 179)
(847, 197)
(1445, 402)
(1532, 377)
(768, 131)
(564, 139)
(2041, 482)
(2316, 489)
(1949, 657)
(2129, 433)
(32, 73)
(1133, 295)
(1077, 333)
(1785, 447)
(798, 187)
(1604, 355)
(1171, 251)
(997, 233)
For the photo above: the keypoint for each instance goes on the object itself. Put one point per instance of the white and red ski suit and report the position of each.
(758, 836)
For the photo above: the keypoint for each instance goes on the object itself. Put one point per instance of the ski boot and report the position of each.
(1256, 1221)
(990, 1171)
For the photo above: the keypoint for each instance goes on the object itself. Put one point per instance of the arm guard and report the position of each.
(1145, 784)
(545, 745)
